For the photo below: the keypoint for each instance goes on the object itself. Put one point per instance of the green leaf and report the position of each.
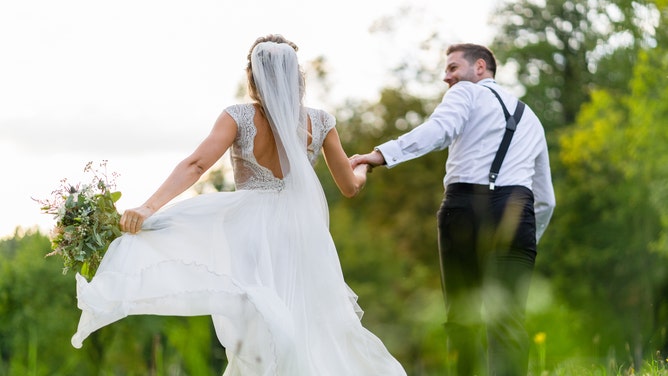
(115, 196)
(85, 271)
(99, 240)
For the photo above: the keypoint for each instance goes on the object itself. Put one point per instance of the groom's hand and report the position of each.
(373, 159)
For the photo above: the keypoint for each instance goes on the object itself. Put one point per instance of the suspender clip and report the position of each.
(492, 180)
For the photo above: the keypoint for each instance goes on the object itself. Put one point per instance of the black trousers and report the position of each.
(487, 244)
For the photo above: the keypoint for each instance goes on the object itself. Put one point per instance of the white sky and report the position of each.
(140, 82)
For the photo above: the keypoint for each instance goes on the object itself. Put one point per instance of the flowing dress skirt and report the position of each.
(264, 269)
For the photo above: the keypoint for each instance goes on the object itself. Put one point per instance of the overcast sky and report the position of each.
(140, 82)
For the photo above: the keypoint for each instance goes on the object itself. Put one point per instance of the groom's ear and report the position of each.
(480, 67)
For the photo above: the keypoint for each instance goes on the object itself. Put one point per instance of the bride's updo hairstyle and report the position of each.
(252, 87)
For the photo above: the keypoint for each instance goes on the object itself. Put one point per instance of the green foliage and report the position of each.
(562, 49)
(35, 315)
(593, 72)
(86, 221)
(597, 304)
(38, 307)
(609, 234)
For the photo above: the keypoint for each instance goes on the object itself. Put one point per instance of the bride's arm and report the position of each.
(186, 173)
(350, 181)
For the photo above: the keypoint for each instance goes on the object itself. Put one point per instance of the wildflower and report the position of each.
(539, 339)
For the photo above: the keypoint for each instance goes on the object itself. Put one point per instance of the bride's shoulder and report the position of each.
(321, 117)
(241, 113)
(240, 108)
(316, 111)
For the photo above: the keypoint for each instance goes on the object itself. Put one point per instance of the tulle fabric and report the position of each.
(278, 309)
(262, 263)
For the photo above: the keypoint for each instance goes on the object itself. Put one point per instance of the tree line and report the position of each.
(594, 71)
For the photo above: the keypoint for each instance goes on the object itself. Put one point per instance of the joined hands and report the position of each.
(371, 160)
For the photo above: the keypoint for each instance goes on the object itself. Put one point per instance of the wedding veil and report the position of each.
(280, 85)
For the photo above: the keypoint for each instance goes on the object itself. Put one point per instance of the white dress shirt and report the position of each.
(470, 122)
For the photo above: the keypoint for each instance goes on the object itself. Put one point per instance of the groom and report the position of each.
(497, 205)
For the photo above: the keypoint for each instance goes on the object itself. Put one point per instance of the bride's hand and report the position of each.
(132, 219)
(362, 168)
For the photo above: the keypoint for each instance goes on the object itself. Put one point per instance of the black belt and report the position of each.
(484, 189)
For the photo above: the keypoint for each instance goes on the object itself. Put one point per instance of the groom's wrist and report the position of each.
(381, 156)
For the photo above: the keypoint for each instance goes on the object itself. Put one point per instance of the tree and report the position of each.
(609, 252)
(600, 249)
(562, 49)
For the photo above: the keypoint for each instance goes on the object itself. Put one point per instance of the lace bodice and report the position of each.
(248, 173)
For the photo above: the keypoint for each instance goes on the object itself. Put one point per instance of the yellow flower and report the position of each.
(539, 338)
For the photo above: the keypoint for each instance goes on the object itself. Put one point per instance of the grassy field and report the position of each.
(650, 368)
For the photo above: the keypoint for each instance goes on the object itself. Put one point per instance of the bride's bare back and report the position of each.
(264, 144)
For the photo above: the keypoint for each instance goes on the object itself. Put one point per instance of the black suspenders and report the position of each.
(511, 124)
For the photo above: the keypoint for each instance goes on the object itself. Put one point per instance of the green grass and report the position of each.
(649, 368)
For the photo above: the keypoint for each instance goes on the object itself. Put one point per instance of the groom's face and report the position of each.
(459, 69)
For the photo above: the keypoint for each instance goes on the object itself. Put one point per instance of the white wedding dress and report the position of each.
(260, 261)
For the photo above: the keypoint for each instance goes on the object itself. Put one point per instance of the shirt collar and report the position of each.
(485, 81)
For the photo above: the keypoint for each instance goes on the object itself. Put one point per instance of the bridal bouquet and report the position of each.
(86, 220)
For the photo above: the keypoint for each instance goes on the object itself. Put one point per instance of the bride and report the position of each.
(260, 260)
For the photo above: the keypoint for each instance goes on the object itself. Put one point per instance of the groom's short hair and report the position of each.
(473, 52)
